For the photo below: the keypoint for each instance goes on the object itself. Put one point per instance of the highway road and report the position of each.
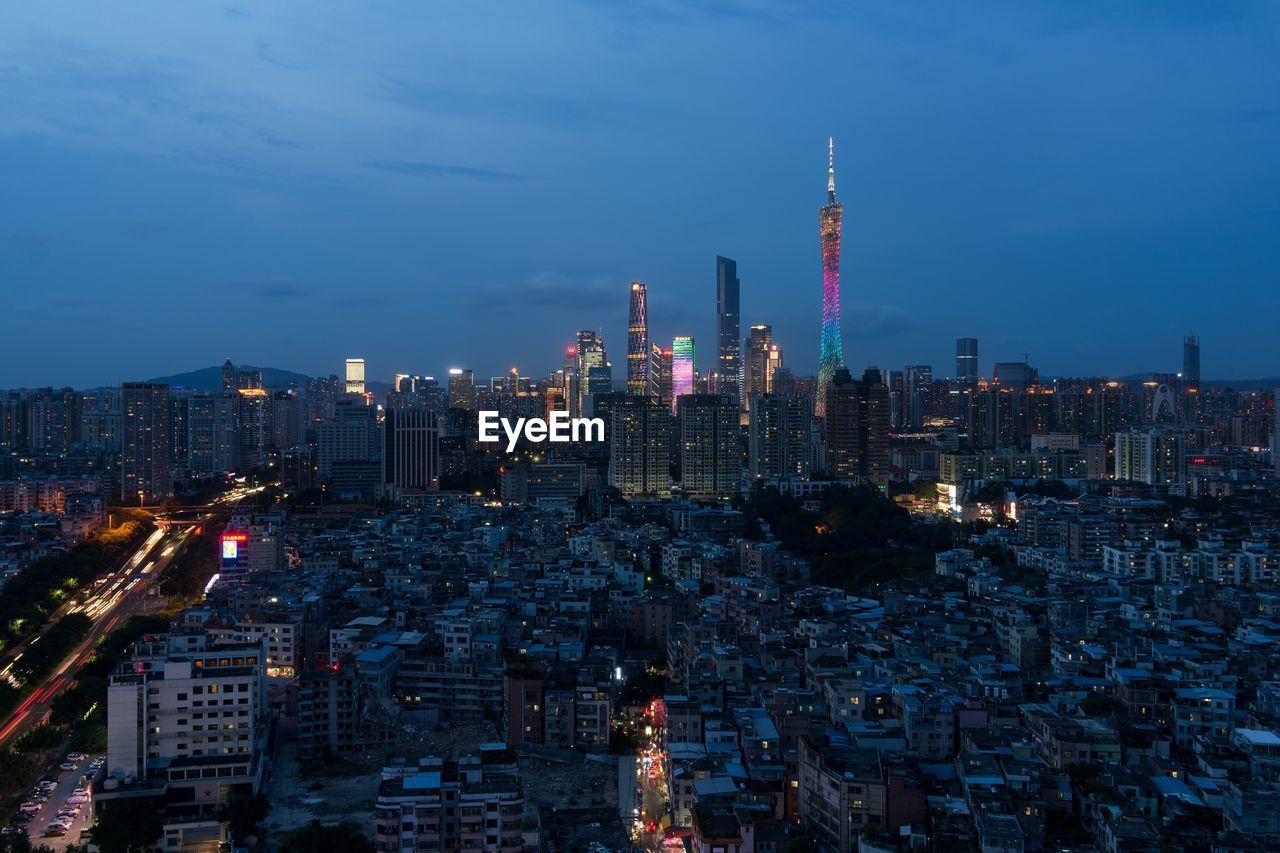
(108, 601)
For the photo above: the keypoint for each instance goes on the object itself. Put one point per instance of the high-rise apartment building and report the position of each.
(638, 340)
(683, 367)
(1151, 456)
(967, 362)
(831, 343)
(779, 443)
(727, 376)
(354, 376)
(144, 452)
(462, 389)
(857, 428)
(410, 451)
(710, 455)
(640, 447)
(212, 433)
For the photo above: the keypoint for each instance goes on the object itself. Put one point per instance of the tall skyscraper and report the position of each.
(410, 451)
(638, 340)
(858, 428)
(355, 376)
(761, 359)
(144, 451)
(228, 376)
(1191, 361)
(660, 375)
(728, 369)
(710, 457)
(967, 362)
(594, 372)
(212, 433)
(831, 346)
(917, 388)
(779, 436)
(462, 389)
(640, 447)
(683, 367)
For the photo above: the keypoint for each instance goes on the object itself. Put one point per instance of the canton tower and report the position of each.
(831, 350)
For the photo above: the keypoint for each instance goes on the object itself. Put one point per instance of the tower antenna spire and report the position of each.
(831, 168)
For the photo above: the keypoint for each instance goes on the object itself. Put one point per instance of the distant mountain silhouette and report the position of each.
(210, 378)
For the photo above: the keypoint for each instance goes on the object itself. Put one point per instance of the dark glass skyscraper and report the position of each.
(967, 361)
(728, 378)
(638, 340)
(1191, 360)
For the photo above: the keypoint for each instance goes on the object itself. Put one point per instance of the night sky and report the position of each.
(430, 185)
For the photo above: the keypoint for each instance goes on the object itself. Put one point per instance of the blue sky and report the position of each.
(440, 184)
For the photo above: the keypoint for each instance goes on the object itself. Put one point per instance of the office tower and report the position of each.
(831, 347)
(683, 368)
(710, 457)
(348, 452)
(857, 427)
(640, 447)
(967, 362)
(660, 375)
(917, 385)
(187, 724)
(727, 378)
(1275, 432)
(228, 376)
(779, 444)
(286, 420)
(761, 359)
(1151, 456)
(322, 395)
(212, 433)
(1191, 361)
(144, 451)
(253, 417)
(410, 451)
(355, 376)
(592, 368)
(638, 340)
(1017, 375)
(462, 389)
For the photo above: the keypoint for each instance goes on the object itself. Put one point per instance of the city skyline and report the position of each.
(276, 226)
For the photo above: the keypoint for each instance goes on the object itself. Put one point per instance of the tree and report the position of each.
(315, 837)
(243, 812)
(128, 825)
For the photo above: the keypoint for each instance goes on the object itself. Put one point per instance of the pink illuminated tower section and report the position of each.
(831, 348)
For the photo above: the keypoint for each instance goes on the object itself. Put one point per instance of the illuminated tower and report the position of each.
(831, 349)
(638, 340)
(682, 368)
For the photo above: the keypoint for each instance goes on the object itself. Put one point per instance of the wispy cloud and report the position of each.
(274, 287)
(444, 170)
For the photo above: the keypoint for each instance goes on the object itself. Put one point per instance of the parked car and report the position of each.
(77, 757)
